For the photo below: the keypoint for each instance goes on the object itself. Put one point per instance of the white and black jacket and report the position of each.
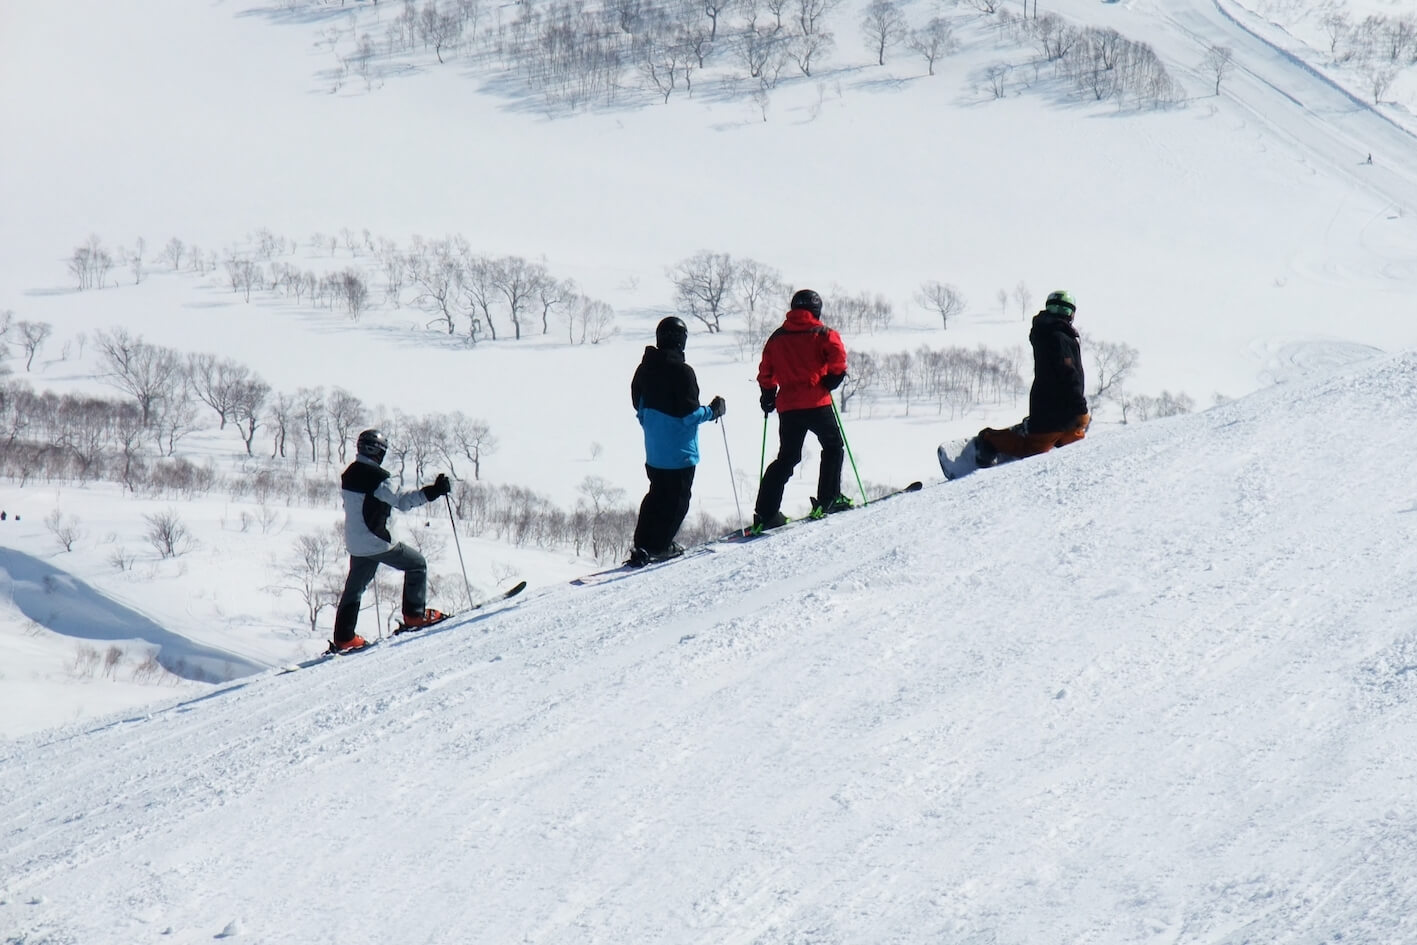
(368, 500)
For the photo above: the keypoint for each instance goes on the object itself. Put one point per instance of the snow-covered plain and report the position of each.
(1154, 688)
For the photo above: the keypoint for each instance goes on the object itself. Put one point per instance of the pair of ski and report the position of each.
(401, 629)
(751, 533)
(737, 536)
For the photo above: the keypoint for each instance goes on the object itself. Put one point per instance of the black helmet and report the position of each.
(371, 443)
(671, 334)
(806, 298)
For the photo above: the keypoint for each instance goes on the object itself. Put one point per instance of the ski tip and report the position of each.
(915, 486)
(516, 589)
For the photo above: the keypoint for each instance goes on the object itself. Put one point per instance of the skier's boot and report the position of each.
(425, 619)
(667, 554)
(639, 557)
(985, 453)
(822, 509)
(355, 642)
(762, 524)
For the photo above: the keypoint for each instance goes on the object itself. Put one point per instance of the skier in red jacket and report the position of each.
(803, 362)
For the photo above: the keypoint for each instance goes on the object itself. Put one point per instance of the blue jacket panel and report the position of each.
(672, 442)
(665, 393)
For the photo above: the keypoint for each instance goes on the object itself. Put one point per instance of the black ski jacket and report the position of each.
(1057, 398)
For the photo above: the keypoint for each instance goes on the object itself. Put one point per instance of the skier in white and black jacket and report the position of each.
(368, 501)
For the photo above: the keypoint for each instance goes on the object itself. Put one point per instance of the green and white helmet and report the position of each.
(1061, 302)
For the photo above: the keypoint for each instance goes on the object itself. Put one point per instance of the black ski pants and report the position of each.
(664, 506)
(362, 570)
(792, 429)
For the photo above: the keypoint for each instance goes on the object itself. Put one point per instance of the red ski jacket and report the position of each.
(797, 357)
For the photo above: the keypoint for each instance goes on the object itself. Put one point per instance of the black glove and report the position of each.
(768, 400)
(439, 488)
(833, 381)
(718, 407)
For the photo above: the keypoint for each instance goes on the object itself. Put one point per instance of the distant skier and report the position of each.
(665, 395)
(803, 362)
(368, 500)
(1370, 157)
(1057, 406)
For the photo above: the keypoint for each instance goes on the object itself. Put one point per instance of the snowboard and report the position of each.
(956, 458)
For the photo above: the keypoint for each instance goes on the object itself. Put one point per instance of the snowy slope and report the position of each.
(1152, 688)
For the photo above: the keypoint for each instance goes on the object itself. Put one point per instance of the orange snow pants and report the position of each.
(1017, 441)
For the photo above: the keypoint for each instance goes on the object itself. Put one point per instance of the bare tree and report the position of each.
(174, 252)
(354, 291)
(884, 26)
(128, 436)
(281, 415)
(663, 63)
(32, 337)
(1219, 61)
(436, 272)
(809, 46)
(66, 531)
(997, 75)
(310, 412)
(862, 377)
(90, 264)
(438, 29)
(933, 40)
(480, 286)
(776, 8)
(599, 499)
(135, 260)
(703, 284)
(248, 407)
(173, 418)
(518, 281)
(552, 294)
(148, 373)
(468, 438)
(243, 273)
(713, 9)
(943, 299)
(311, 571)
(346, 412)
(168, 534)
(811, 13)
(1379, 81)
(1336, 25)
(216, 382)
(1112, 363)
(1024, 297)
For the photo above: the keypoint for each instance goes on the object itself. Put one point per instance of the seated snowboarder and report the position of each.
(368, 500)
(1057, 406)
(665, 395)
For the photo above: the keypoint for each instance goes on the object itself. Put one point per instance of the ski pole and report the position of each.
(847, 444)
(457, 541)
(736, 504)
(378, 611)
(764, 456)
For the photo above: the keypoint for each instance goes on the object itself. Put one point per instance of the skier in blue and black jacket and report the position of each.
(665, 394)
